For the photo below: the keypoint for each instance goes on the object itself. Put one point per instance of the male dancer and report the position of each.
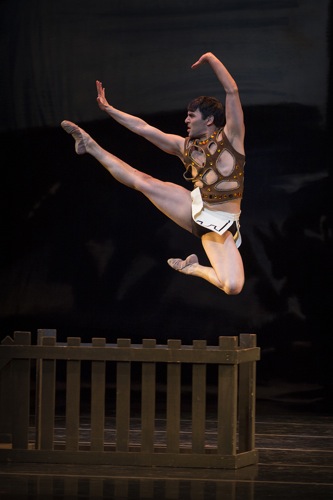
(214, 159)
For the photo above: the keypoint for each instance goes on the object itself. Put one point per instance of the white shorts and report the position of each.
(214, 220)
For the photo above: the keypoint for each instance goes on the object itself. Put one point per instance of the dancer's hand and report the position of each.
(203, 59)
(101, 99)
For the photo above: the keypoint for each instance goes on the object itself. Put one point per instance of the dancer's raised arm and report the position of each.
(234, 128)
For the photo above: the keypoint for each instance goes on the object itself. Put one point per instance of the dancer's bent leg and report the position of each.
(226, 271)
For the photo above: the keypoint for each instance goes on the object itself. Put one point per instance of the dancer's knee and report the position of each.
(233, 287)
(147, 184)
(143, 182)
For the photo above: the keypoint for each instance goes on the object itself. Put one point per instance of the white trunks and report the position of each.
(214, 220)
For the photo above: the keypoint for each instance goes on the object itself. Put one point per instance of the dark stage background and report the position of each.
(68, 260)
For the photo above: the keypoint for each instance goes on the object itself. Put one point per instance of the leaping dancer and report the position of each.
(214, 157)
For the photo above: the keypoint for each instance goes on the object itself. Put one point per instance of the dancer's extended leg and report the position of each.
(172, 200)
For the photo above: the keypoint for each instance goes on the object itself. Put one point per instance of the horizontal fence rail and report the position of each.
(128, 404)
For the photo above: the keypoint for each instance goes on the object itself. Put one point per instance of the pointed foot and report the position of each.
(78, 135)
(183, 265)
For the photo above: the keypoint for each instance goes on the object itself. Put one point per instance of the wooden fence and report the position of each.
(111, 429)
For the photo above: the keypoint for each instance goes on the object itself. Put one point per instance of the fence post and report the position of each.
(227, 401)
(6, 396)
(247, 396)
(21, 394)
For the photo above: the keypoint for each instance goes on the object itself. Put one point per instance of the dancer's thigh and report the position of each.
(171, 199)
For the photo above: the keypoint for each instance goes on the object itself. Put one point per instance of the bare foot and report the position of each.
(184, 266)
(80, 136)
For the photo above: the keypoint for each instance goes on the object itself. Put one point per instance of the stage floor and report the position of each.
(295, 445)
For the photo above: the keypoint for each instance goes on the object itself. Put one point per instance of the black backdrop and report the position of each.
(86, 256)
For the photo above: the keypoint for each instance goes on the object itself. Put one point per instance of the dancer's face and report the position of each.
(196, 125)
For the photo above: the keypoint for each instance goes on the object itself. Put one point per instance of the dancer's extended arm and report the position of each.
(170, 143)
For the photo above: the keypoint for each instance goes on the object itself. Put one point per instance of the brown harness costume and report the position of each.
(201, 159)
(218, 181)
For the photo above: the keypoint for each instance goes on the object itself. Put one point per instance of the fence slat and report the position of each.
(123, 398)
(173, 401)
(198, 401)
(98, 370)
(45, 406)
(42, 406)
(73, 398)
(148, 397)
